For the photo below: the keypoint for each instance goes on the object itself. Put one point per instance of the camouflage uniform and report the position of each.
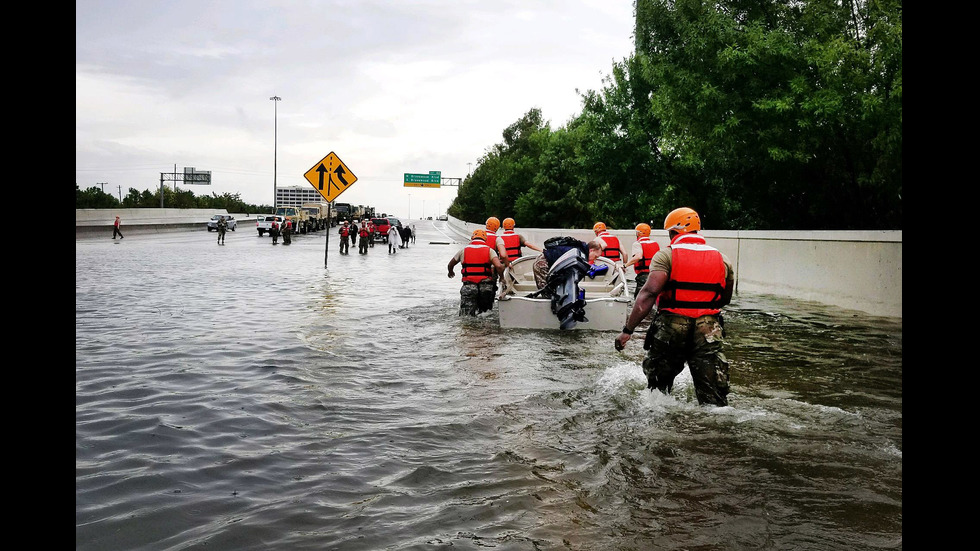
(672, 339)
(641, 279)
(476, 297)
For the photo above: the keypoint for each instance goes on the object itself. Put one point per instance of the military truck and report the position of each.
(298, 216)
(317, 215)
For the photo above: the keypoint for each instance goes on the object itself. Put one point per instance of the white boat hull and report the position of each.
(604, 314)
(607, 299)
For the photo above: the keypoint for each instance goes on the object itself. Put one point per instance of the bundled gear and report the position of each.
(568, 263)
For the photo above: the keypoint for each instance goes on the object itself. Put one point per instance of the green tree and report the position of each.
(788, 111)
(94, 198)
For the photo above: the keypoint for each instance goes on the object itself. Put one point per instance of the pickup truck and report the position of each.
(263, 222)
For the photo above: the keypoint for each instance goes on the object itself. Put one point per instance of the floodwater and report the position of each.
(247, 397)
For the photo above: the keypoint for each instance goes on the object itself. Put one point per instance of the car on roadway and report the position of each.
(213, 222)
(263, 222)
(442, 217)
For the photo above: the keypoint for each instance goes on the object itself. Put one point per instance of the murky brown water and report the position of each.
(246, 397)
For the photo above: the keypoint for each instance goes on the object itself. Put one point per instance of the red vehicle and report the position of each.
(381, 226)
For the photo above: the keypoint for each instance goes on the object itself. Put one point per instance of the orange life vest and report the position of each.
(650, 248)
(364, 232)
(697, 278)
(344, 231)
(612, 251)
(512, 244)
(476, 262)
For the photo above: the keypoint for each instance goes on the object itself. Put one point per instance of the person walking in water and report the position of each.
(479, 262)
(394, 239)
(689, 282)
(610, 243)
(344, 232)
(115, 229)
(274, 232)
(365, 237)
(222, 228)
(641, 253)
(514, 242)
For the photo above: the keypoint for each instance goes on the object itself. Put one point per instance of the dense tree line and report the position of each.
(95, 198)
(760, 114)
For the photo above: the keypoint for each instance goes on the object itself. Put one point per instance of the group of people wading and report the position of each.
(685, 284)
(398, 237)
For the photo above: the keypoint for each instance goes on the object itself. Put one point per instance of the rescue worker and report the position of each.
(513, 242)
(365, 235)
(480, 264)
(689, 282)
(287, 231)
(274, 231)
(369, 224)
(493, 241)
(222, 228)
(610, 243)
(344, 232)
(641, 253)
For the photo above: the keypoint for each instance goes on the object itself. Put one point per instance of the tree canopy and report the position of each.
(96, 198)
(759, 114)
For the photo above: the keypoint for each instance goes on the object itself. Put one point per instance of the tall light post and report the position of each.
(275, 149)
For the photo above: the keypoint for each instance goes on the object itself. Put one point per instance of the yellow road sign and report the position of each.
(330, 176)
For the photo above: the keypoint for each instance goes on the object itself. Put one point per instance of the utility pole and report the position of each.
(275, 148)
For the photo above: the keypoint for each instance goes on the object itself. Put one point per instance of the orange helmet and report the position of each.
(643, 229)
(479, 234)
(509, 223)
(599, 226)
(682, 220)
(493, 223)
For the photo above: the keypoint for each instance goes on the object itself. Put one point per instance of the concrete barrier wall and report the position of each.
(138, 217)
(91, 221)
(856, 270)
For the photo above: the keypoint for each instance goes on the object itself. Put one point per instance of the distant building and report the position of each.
(296, 196)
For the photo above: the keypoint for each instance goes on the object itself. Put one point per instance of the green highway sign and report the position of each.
(432, 179)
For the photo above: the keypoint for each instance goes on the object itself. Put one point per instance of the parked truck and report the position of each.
(317, 215)
(298, 216)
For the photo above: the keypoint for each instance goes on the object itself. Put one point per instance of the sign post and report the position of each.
(331, 177)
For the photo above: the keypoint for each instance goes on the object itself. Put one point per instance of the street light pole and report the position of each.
(275, 150)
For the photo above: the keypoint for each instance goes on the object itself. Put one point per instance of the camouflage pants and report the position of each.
(673, 340)
(540, 271)
(641, 278)
(475, 298)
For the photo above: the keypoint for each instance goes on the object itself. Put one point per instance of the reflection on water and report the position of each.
(247, 397)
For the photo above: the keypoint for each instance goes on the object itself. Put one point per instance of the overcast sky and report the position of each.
(389, 86)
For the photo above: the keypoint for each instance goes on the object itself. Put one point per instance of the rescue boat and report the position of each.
(607, 300)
